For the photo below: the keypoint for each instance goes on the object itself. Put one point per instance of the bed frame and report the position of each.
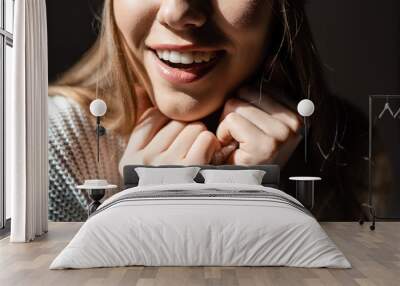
(271, 177)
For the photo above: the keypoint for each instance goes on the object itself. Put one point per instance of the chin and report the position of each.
(183, 112)
(183, 107)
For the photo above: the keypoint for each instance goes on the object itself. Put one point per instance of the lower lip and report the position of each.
(187, 75)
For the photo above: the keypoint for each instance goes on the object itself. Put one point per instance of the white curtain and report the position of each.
(26, 123)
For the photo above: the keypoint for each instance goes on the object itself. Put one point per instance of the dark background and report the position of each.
(72, 29)
(358, 40)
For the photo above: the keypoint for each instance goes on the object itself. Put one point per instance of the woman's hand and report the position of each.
(157, 140)
(264, 136)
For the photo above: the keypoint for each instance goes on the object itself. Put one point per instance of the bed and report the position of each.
(201, 224)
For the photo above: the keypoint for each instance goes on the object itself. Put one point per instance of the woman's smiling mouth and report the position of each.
(185, 58)
(184, 64)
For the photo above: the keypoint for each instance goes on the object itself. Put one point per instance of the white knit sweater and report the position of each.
(73, 158)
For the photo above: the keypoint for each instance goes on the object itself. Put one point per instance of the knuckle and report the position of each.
(232, 102)
(207, 136)
(197, 125)
(296, 124)
(285, 133)
(179, 124)
(231, 118)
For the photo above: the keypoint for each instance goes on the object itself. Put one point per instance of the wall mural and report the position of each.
(207, 84)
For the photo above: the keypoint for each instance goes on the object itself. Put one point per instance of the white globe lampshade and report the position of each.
(305, 107)
(98, 107)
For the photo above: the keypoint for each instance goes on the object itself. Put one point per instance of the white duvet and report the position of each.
(204, 231)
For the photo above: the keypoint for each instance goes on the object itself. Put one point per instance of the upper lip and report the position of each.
(183, 48)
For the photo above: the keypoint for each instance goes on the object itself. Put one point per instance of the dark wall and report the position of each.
(71, 31)
(359, 42)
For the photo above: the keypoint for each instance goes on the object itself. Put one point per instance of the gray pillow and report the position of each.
(163, 176)
(245, 177)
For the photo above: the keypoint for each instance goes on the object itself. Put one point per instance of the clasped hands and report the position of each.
(246, 135)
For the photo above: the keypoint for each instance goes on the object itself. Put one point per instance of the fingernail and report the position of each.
(221, 155)
(228, 149)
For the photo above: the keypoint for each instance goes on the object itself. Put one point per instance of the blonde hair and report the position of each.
(109, 70)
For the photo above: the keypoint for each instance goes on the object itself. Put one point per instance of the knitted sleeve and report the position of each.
(73, 158)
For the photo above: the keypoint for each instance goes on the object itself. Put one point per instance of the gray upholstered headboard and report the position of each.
(271, 177)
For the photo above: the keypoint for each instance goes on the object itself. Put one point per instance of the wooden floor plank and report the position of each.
(375, 257)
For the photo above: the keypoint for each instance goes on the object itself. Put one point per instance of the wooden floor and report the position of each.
(375, 257)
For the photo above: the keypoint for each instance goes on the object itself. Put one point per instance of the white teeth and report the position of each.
(186, 58)
(165, 55)
(198, 57)
(174, 57)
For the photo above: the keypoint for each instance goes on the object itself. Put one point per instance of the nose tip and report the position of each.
(180, 15)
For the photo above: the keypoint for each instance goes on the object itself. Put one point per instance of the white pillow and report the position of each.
(163, 176)
(247, 177)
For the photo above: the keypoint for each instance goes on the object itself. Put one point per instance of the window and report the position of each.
(6, 44)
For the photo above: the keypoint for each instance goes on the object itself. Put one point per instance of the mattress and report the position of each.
(201, 225)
